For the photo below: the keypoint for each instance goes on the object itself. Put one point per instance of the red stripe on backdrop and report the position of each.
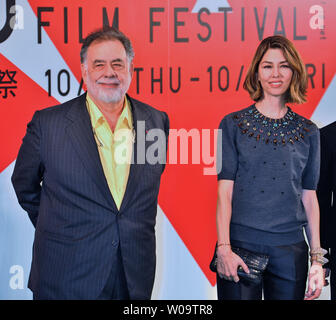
(17, 109)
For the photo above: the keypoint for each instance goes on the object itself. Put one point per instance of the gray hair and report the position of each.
(106, 34)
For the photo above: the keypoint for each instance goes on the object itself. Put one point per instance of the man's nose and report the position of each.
(109, 71)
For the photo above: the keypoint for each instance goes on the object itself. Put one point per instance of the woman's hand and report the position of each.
(228, 263)
(315, 281)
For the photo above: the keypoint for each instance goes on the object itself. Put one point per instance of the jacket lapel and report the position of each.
(139, 114)
(81, 134)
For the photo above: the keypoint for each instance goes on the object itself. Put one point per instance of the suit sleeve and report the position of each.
(166, 130)
(324, 191)
(28, 171)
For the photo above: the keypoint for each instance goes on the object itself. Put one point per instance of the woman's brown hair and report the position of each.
(296, 92)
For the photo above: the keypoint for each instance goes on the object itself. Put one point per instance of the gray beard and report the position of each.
(107, 96)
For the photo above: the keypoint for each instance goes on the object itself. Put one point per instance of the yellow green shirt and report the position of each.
(115, 148)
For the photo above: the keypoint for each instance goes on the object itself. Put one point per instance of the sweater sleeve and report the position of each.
(311, 173)
(227, 155)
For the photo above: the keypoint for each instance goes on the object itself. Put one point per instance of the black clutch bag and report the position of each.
(256, 262)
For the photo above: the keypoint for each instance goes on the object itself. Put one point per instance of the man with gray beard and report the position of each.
(94, 216)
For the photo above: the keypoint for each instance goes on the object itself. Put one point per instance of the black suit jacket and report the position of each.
(60, 182)
(326, 191)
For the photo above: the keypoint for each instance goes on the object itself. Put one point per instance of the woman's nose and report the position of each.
(276, 72)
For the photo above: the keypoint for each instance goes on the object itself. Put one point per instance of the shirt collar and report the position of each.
(126, 115)
(97, 118)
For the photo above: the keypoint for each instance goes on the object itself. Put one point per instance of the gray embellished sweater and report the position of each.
(271, 161)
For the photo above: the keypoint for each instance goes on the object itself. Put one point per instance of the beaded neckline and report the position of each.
(289, 115)
(288, 129)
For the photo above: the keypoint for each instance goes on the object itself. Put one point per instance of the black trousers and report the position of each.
(332, 266)
(284, 278)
